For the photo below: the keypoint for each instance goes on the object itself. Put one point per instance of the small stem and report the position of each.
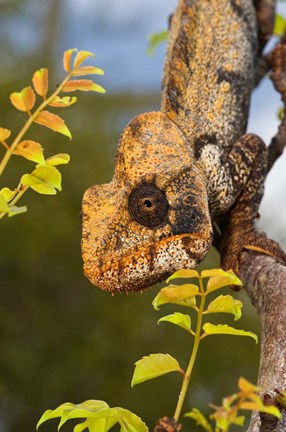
(29, 122)
(5, 144)
(187, 377)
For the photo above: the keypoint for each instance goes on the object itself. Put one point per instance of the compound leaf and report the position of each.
(88, 70)
(41, 81)
(58, 159)
(179, 319)
(183, 295)
(44, 179)
(53, 121)
(30, 150)
(81, 56)
(4, 134)
(200, 419)
(225, 304)
(212, 329)
(82, 85)
(24, 100)
(183, 274)
(220, 278)
(63, 102)
(67, 59)
(153, 366)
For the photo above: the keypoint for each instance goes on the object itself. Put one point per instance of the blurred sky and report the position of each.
(116, 30)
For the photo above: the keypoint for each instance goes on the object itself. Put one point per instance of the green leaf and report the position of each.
(44, 180)
(153, 366)
(225, 304)
(279, 25)
(155, 39)
(58, 159)
(280, 113)
(219, 279)
(132, 420)
(200, 419)
(183, 295)
(89, 406)
(179, 319)
(4, 208)
(7, 194)
(183, 274)
(212, 329)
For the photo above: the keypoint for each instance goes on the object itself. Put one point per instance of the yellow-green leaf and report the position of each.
(220, 278)
(81, 56)
(4, 208)
(30, 150)
(212, 329)
(88, 70)
(54, 122)
(41, 81)
(279, 25)
(153, 366)
(155, 39)
(183, 295)
(200, 419)
(24, 100)
(183, 274)
(179, 319)
(4, 134)
(67, 59)
(58, 159)
(63, 102)
(82, 85)
(44, 179)
(225, 304)
(7, 193)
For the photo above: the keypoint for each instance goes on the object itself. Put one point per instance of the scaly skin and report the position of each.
(180, 169)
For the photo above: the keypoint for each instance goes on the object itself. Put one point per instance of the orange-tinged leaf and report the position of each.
(82, 85)
(81, 57)
(63, 102)
(30, 150)
(67, 59)
(41, 81)
(24, 100)
(247, 386)
(54, 122)
(88, 70)
(4, 134)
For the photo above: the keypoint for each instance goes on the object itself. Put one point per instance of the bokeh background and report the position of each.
(61, 339)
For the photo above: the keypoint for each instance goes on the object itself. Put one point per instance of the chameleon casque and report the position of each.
(180, 169)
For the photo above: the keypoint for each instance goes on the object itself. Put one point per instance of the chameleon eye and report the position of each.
(148, 205)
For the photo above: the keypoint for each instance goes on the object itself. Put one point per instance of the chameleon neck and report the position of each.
(208, 74)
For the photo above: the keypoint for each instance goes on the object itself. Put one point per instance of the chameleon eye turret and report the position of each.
(148, 205)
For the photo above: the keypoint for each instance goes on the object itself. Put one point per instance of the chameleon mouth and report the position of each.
(149, 265)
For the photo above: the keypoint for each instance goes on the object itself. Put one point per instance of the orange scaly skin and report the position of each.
(179, 169)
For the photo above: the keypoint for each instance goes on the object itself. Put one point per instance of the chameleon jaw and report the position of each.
(149, 265)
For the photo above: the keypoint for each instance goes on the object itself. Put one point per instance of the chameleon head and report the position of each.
(152, 218)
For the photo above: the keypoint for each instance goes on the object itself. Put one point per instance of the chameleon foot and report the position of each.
(244, 236)
(167, 424)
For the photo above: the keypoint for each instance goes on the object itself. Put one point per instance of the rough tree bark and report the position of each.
(265, 282)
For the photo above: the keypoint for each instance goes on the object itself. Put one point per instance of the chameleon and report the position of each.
(191, 165)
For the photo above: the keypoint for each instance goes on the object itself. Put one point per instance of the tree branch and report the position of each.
(265, 282)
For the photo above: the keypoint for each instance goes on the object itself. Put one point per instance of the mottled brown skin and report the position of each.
(180, 169)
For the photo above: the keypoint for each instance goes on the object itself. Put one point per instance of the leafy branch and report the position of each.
(45, 178)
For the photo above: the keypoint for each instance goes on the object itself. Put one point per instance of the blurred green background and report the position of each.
(61, 338)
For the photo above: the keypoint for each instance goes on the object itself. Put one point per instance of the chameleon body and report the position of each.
(179, 169)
